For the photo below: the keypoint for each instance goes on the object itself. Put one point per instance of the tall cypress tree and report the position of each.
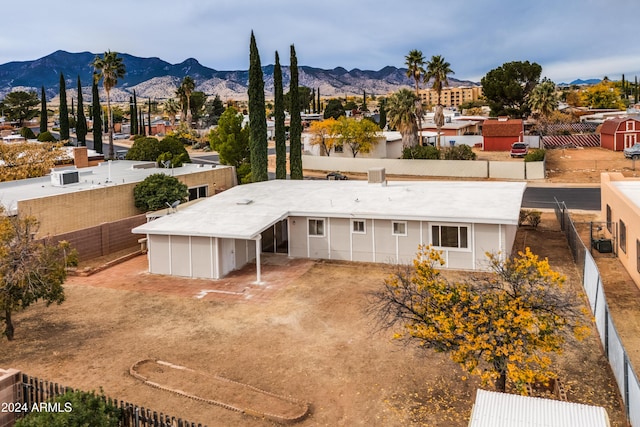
(81, 121)
(295, 128)
(257, 116)
(383, 113)
(64, 111)
(43, 111)
(281, 140)
(97, 116)
(134, 115)
(313, 100)
(319, 106)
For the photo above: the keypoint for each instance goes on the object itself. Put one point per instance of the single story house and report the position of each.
(494, 409)
(498, 135)
(621, 211)
(388, 145)
(371, 221)
(619, 133)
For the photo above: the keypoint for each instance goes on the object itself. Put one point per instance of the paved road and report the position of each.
(583, 198)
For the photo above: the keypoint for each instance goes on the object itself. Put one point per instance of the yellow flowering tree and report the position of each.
(28, 160)
(322, 134)
(501, 326)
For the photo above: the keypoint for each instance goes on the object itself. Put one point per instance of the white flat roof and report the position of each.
(630, 189)
(105, 174)
(493, 409)
(244, 211)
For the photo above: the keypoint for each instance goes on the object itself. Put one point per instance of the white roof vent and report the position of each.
(64, 177)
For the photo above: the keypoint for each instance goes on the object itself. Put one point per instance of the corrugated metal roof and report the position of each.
(494, 409)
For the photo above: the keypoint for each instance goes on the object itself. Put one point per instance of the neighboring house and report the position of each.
(621, 211)
(494, 409)
(79, 197)
(619, 133)
(499, 134)
(454, 127)
(342, 220)
(388, 145)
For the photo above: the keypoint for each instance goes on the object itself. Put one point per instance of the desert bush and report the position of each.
(536, 155)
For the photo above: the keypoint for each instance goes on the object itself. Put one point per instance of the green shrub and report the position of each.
(46, 137)
(535, 155)
(421, 152)
(157, 190)
(75, 409)
(27, 133)
(459, 152)
(150, 149)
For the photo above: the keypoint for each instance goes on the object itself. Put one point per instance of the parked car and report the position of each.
(633, 152)
(336, 175)
(519, 149)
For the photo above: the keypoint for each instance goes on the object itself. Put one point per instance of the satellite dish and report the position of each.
(175, 204)
(167, 164)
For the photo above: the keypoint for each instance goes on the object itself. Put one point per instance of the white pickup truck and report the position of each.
(633, 152)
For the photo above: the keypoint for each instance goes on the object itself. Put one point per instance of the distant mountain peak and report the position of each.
(158, 79)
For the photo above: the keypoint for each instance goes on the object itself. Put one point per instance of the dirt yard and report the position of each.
(307, 338)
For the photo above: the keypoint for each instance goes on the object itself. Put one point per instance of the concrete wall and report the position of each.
(440, 168)
(83, 209)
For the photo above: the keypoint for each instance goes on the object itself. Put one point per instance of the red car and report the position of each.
(519, 149)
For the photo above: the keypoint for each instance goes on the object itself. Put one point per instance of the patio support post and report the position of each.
(258, 251)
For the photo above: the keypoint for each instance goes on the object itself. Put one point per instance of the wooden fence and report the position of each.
(36, 391)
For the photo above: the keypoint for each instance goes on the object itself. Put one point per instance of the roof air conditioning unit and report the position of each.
(376, 176)
(64, 177)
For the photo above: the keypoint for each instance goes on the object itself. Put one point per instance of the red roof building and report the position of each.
(498, 135)
(619, 133)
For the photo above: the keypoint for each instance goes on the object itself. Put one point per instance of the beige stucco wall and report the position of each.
(506, 170)
(622, 209)
(82, 209)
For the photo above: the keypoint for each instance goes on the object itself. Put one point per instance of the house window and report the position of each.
(198, 192)
(338, 149)
(316, 227)
(399, 228)
(609, 218)
(358, 226)
(630, 125)
(450, 236)
(623, 236)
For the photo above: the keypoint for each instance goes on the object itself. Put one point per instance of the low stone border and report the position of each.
(89, 271)
(278, 418)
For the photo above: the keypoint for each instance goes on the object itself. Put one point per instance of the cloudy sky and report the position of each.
(570, 38)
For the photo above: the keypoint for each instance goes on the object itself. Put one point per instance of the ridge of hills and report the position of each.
(158, 79)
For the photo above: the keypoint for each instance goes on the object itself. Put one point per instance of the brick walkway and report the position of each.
(132, 275)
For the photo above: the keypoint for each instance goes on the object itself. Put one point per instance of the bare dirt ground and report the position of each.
(305, 336)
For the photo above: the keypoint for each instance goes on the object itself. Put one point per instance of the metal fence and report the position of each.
(615, 352)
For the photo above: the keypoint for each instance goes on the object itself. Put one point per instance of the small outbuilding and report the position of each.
(499, 134)
(619, 133)
(493, 409)
(381, 222)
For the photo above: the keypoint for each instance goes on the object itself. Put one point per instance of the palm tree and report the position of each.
(171, 107)
(437, 70)
(401, 115)
(186, 87)
(543, 99)
(415, 69)
(109, 68)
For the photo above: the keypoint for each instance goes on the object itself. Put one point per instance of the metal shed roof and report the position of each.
(245, 211)
(494, 409)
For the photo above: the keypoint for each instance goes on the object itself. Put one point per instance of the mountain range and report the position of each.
(158, 79)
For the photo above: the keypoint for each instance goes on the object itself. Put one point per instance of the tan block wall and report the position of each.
(83, 209)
